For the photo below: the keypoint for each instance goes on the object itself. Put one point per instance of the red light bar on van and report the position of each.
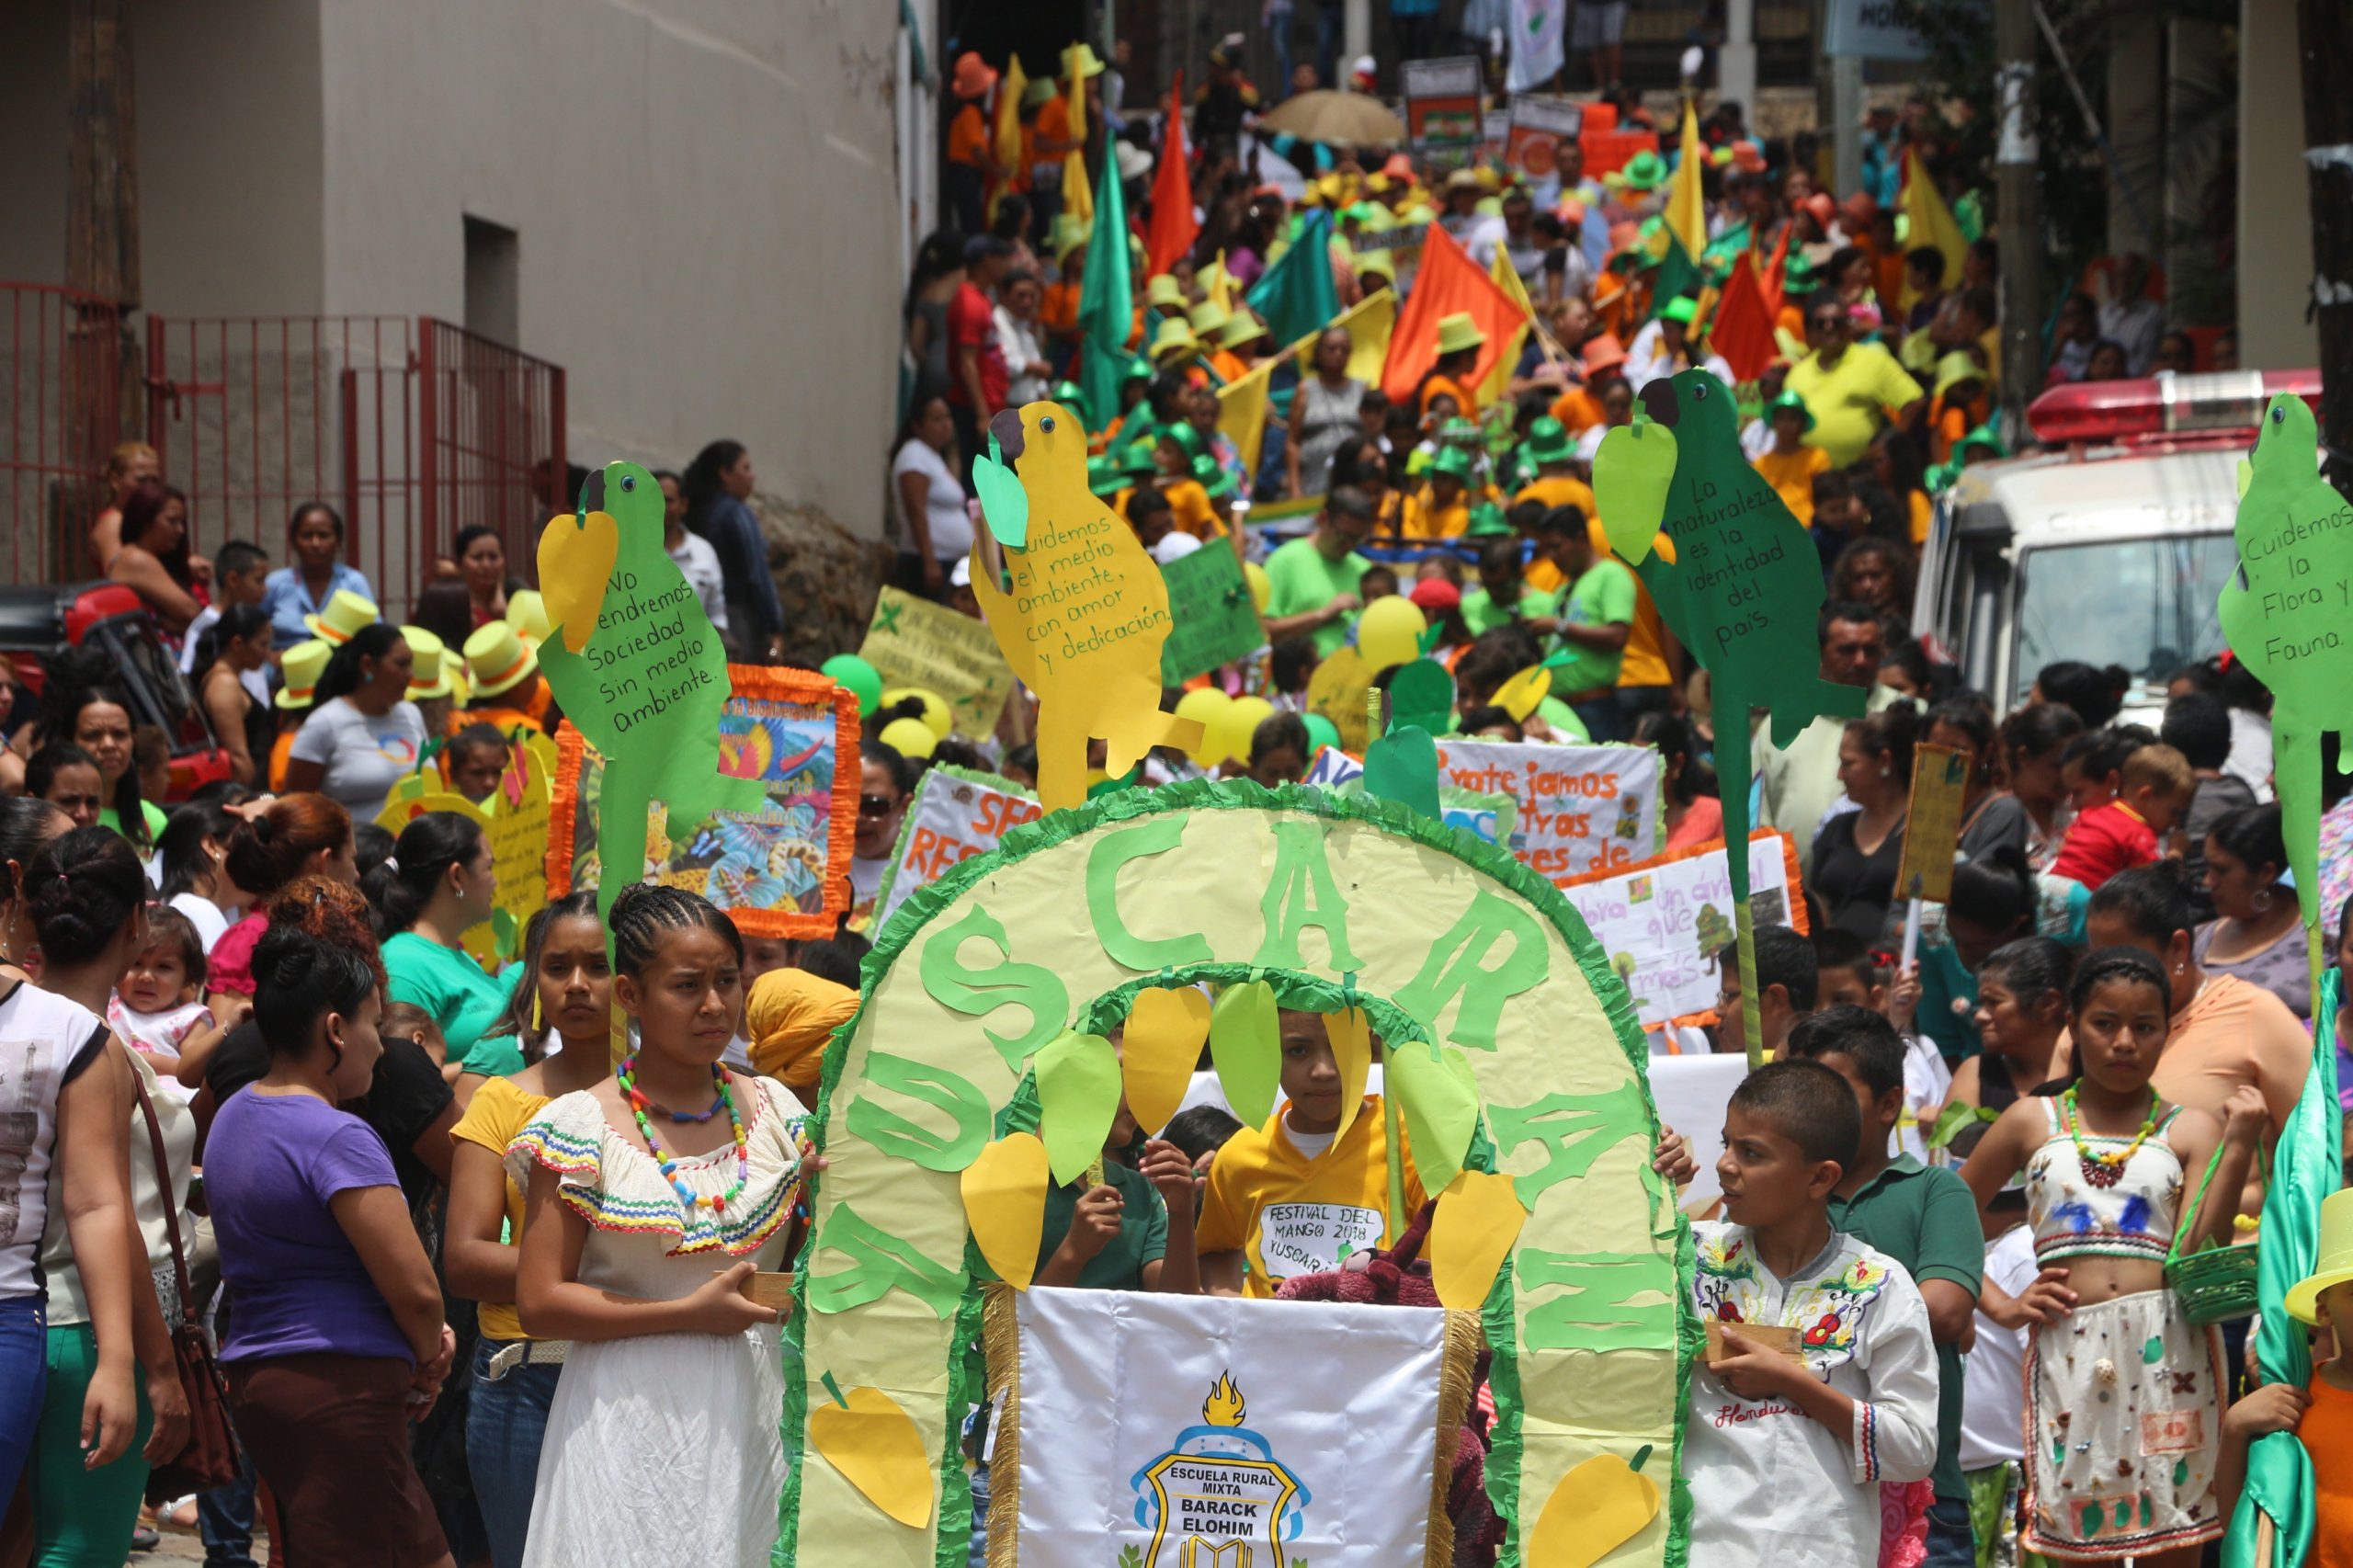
(2164, 405)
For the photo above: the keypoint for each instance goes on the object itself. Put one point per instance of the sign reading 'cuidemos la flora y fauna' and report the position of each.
(1510, 1047)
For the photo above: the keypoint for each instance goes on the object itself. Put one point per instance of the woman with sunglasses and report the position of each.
(885, 779)
(1847, 386)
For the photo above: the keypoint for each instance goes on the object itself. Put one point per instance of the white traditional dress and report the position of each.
(1769, 1484)
(664, 1448)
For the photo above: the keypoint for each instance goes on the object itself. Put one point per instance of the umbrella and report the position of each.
(1347, 118)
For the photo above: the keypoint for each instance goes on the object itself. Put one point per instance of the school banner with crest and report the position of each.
(1151, 1431)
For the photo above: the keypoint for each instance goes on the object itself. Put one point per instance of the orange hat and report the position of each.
(1399, 166)
(1859, 209)
(1749, 157)
(974, 76)
(789, 1016)
(1601, 352)
(1571, 212)
(1821, 209)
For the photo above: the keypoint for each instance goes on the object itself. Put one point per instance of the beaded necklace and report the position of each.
(626, 1077)
(2103, 1169)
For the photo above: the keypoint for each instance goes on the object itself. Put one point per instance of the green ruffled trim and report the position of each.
(1204, 794)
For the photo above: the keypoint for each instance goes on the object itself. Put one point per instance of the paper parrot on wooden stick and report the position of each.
(1743, 591)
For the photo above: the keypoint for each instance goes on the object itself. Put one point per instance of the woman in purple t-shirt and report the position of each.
(335, 1337)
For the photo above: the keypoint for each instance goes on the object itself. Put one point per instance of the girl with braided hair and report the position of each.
(650, 1199)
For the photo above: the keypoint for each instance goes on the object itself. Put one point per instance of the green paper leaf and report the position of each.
(1078, 1097)
(1004, 503)
(1403, 766)
(1421, 694)
(1246, 1047)
(1439, 1095)
(1631, 473)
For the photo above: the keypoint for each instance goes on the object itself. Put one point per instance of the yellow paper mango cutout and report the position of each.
(1596, 1508)
(876, 1446)
(1477, 1220)
(1086, 616)
(574, 562)
(1005, 1202)
(1159, 1051)
(1351, 1035)
(1519, 694)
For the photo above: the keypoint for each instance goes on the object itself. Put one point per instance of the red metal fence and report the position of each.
(60, 415)
(410, 428)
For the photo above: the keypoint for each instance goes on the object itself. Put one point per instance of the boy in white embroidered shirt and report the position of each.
(1785, 1451)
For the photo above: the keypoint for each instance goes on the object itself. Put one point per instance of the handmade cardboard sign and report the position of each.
(636, 667)
(1213, 620)
(1086, 617)
(1538, 126)
(1442, 118)
(1490, 818)
(1509, 1054)
(1692, 1093)
(1220, 1458)
(779, 867)
(2285, 616)
(1744, 592)
(1932, 831)
(515, 819)
(915, 643)
(953, 815)
(1664, 923)
(1578, 809)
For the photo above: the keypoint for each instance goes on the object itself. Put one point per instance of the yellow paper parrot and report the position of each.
(637, 666)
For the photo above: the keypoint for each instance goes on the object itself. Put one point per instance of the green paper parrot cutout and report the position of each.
(1744, 592)
(637, 666)
(2285, 615)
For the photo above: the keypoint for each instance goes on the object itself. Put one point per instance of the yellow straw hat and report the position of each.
(347, 614)
(302, 667)
(429, 677)
(2335, 1262)
(1206, 318)
(1163, 293)
(497, 660)
(1458, 332)
(527, 613)
(1172, 338)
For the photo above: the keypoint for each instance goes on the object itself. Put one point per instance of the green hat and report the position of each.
(1644, 171)
(1455, 461)
(1037, 92)
(1187, 439)
(1215, 480)
(1985, 435)
(1103, 475)
(1683, 308)
(1788, 400)
(1487, 519)
(1548, 442)
(1797, 273)
(1135, 459)
(1459, 432)
(1069, 394)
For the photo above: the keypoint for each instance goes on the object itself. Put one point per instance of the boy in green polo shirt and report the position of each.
(1924, 1217)
(1595, 614)
(1312, 584)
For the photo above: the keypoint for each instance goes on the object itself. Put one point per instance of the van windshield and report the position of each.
(2147, 604)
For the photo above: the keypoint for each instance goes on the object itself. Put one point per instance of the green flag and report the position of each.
(1297, 296)
(1677, 274)
(2303, 1171)
(1106, 304)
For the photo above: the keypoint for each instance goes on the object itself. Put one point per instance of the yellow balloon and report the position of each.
(1206, 705)
(1241, 720)
(1261, 585)
(936, 711)
(908, 737)
(1389, 632)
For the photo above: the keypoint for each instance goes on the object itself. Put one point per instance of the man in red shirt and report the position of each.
(977, 375)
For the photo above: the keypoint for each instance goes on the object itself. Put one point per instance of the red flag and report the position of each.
(1743, 332)
(1448, 282)
(1173, 230)
(1776, 272)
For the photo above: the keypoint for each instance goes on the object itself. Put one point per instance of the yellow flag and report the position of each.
(1370, 322)
(1008, 113)
(1219, 283)
(1074, 93)
(1931, 224)
(1242, 412)
(1687, 210)
(1078, 196)
(1507, 278)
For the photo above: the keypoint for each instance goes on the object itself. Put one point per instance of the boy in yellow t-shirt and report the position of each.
(1789, 466)
(1288, 1198)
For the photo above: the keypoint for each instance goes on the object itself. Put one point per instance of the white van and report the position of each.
(2112, 548)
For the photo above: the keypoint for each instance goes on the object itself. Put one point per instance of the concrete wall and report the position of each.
(2275, 248)
(703, 192)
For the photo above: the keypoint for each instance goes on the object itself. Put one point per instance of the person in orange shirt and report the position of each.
(1789, 465)
(1441, 508)
(1188, 499)
(1579, 409)
(1459, 342)
(972, 160)
(1960, 405)
(1556, 484)
(1058, 309)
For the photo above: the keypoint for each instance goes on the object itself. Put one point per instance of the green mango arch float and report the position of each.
(1445, 941)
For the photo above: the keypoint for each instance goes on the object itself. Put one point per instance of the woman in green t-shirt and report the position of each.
(437, 884)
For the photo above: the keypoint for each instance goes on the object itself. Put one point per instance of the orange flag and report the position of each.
(1448, 282)
(1173, 230)
(1776, 275)
(1743, 332)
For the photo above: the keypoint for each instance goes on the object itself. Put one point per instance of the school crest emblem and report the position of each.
(1219, 1494)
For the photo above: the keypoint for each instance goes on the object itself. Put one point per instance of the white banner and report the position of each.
(1581, 809)
(953, 816)
(1691, 1093)
(1662, 923)
(1537, 27)
(1873, 28)
(1486, 817)
(1208, 1432)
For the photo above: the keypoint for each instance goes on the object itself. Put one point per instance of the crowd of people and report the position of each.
(470, 1247)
